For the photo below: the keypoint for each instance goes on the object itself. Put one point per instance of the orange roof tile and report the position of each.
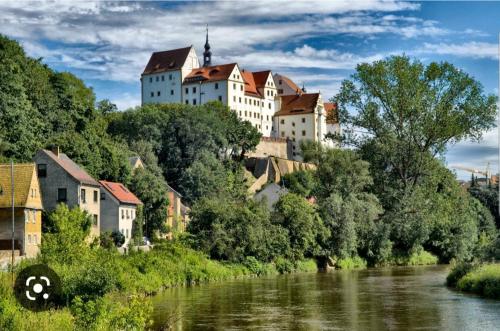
(260, 78)
(298, 104)
(167, 60)
(332, 115)
(290, 83)
(212, 73)
(120, 192)
(250, 86)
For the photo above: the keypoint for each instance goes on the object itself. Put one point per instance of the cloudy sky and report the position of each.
(317, 43)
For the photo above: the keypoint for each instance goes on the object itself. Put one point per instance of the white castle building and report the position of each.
(274, 105)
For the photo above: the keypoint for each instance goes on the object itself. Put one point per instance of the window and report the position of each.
(216, 86)
(293, 123)
(303, 132)
(171, 92)
(127, 234)
(83, 196)
(267, 92)
(267, 117)
(152, 94)
(282, 121)
(158, 93)
(280, 91)
(96, 196)
(280, 82)
(35, 239)
(240, 99)
(194, 89)
(269, 105)
(245, 113)
(234, 98)
(34, 216)
(220, 98)
(187, 102)
(293, 133)
(267, 127)
(29, 239)
(150, 79)
(245, 101)
(157, 78)
(162, 78)
(303, 119)
(293, 139)
(234, 86)
(241, 87)
(194, 101)
(95, 220)
(240, 113)
(294, 153)
(128, 216)
(61, 195)
(170, 77)
(42, 170)
(103, 196)
(282, 133)
(123, 214)
(187, 90)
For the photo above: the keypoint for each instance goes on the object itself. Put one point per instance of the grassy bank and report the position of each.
(108, 291)
(480, 279)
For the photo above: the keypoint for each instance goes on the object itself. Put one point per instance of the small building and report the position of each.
(63, 181)
(302, 117)
(118, 209)
(332, 121)
(177, 213)
(27, 210)
(135, 162)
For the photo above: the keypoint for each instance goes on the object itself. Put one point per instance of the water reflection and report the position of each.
(375, 299)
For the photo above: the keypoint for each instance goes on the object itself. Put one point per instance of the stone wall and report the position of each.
(272, 147)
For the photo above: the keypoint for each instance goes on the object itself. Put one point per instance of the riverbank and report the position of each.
(106, 290)
(479, 279)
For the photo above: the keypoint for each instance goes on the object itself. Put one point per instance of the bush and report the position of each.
(283, 266)
(351, 263)
(308, 265)
(458, 272)
(484, 281)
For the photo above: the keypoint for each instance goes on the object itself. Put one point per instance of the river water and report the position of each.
(399, 298)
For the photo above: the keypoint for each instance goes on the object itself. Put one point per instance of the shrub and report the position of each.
(484, 281)
(458, 272)
(351, 263)
(283, 266)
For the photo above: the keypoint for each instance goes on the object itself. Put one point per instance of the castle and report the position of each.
(273, 104)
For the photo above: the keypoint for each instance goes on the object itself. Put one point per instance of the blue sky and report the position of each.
(317, 43)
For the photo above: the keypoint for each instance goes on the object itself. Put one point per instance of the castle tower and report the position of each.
(207, 55)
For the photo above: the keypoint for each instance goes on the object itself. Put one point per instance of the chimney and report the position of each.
(55, 150)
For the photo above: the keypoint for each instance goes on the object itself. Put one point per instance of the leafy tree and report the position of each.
(300, 182)
(410, 113)
(488, 196)
(303, 225)
(118, 238)
(65, 233)
(153, 193)
(105, 107)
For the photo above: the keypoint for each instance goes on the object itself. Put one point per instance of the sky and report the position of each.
(316, 43)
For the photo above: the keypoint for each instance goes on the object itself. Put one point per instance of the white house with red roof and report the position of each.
(118, 209)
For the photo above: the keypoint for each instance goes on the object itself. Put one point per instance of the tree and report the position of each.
(300, 182)
(105, 107)
(410, 113)
(65, 233)
(302, 223)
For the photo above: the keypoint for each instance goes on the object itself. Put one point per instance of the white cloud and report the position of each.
(471, 49)
(126, 101)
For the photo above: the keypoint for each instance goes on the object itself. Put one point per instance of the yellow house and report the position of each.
(27, 209)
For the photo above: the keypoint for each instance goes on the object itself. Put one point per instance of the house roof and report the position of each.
(250, 86)
(260, 78)
(120, 192)
(332, 115)
(289, 82)
(72, 168)
(167, 60)
(298, 104)
(23, 175)
(212, 73)
(135, 162)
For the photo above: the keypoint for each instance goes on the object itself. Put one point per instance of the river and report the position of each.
(399, 298)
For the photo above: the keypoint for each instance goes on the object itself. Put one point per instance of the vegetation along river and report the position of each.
(400, 298)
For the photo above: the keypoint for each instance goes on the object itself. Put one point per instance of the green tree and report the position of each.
(302, 223)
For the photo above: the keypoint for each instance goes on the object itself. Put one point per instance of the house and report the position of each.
(177, 213)
(118, 209)
(301, 117)
(135, 162)
(27, 209)
(63, 181)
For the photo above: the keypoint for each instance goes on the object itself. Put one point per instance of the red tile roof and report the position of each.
(298, 104)
(120, 192)
(212, 73)
(167, 60)
(250, 86)
(72, 168)
(332, 115)
(260, 78)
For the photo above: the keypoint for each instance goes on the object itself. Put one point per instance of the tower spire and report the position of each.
(207, 55)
